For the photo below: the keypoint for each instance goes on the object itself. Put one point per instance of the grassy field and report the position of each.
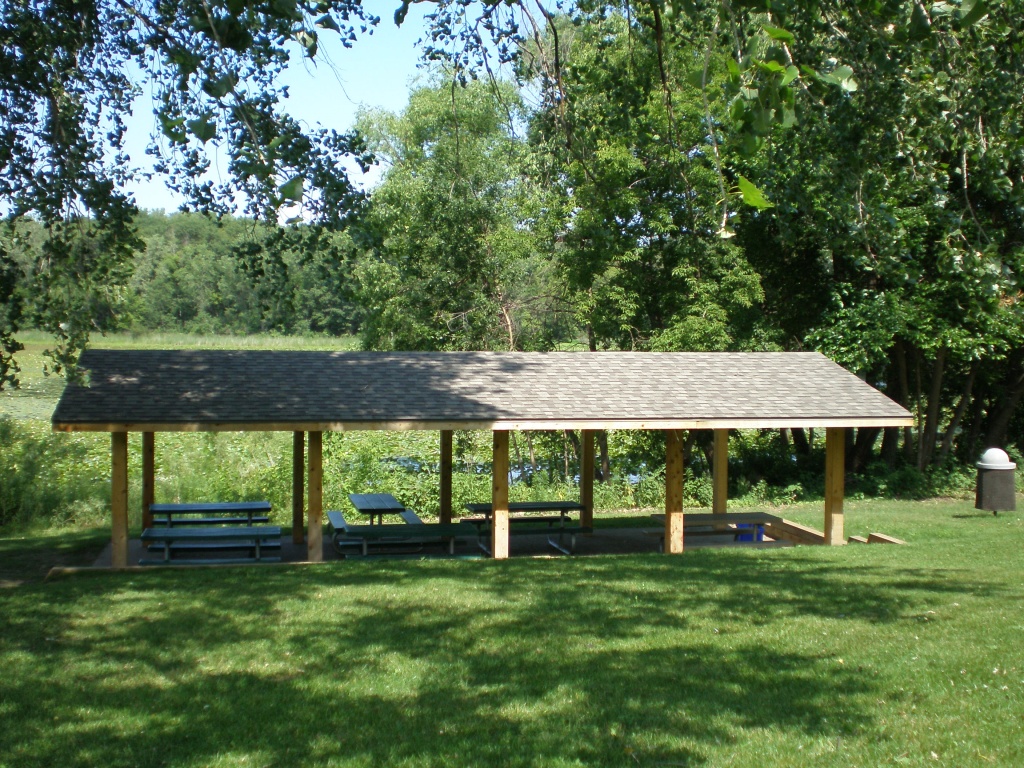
(854, 656)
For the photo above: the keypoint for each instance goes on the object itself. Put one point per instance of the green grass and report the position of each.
(854, 656)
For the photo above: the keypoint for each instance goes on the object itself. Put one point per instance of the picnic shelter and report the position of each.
(309, 393)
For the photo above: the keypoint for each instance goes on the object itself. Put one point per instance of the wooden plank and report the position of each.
(314, 524)
(787, 530)
(498, 425)
(835, 477)
(213, 534)
(445, 489)
(881, 538)
(211, 506)
(720, 472)
(298, 485)
(499, 496)
(148, 478)
(856, 540)
(119, 499)
(674, 521)
(561, 506)
(587, 478)
(179, 521)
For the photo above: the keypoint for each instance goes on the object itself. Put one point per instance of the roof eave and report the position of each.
(487, 425)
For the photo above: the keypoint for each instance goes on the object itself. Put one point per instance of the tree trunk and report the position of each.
(691, 438)
(890, 446)
(931, 421)
(958, 415)
(999, 420)
(863, 447)
(900, 353)
(800, 444)
(918, 397)
(974, 430)
(604, 461)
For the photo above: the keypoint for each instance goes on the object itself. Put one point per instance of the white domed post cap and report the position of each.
(995, 458)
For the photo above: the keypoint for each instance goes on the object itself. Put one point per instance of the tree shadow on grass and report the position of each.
(528, 663)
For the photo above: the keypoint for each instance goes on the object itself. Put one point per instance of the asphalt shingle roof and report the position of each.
(143, 390)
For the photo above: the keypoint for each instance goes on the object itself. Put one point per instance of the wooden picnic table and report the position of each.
(376, 505)
(523, 522)
(563, 508)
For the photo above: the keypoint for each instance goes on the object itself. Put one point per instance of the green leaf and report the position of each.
(752, 195)
(843, 72)
(307, 40)
(792, 73)
(734, 68)
(771, 66)
(972, 11)
(292, 189)
(220, 87)
(203, 128)
(777, 33)
(173, 129)
(696, 79)
(327, 22)
(400, 13)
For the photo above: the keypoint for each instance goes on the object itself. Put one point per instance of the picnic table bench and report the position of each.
(521, 524)
(211, 513)
(255, 539)
(413, 532)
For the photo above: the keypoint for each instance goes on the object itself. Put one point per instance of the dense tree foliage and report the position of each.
(847, 177)
(456, 249)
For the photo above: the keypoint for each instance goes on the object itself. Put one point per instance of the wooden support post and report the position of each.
(314, 526)
(720, 472)
(499, 496)
(587, 479)
(673, 491)
(298, 485)
(148, 477)
(445, 490)
(119, 499)
(835, 458)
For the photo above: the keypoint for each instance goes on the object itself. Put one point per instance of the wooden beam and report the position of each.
(298, 485)
(673, 491)
(148, 477)
(835, 458)
(314, 525)
(499, 496)
(119, 499)
(720, 472)
(445, 490)
(881, 538)
(587, 478)
(502, 425)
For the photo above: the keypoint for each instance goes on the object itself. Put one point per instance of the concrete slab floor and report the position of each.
(604, 541)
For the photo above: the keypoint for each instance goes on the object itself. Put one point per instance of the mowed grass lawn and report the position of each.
(852, 656)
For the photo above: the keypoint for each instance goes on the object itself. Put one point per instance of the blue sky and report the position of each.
(376, 72)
